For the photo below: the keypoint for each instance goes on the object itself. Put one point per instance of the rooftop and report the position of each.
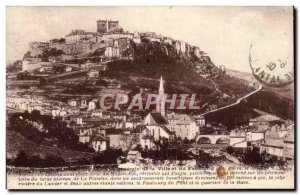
(185, 120)
(168, 131)
(266, 118)
(158, 119)
(99, 138)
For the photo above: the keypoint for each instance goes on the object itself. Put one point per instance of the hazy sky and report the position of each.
(224, 33)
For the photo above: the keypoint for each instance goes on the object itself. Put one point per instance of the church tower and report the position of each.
(160, 104)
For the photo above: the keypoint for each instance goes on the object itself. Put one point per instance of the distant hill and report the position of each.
(286, 91)
(247, 76)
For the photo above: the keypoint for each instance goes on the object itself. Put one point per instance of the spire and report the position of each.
(160, 105)
(161, 84)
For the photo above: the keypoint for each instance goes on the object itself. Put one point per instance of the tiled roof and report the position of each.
(260, 112)
(168, 131)
(98, 138)
(267, 118)
(157, 119)
(184, 120)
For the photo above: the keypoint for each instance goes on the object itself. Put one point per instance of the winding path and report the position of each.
(236, 103)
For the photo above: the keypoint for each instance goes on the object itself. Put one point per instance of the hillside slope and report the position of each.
(140, 66)
(15, 143)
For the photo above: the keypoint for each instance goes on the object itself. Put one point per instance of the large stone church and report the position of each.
(161, 126)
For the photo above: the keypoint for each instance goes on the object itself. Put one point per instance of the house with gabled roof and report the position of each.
(155, 119)
(186, 127)
(264, 121)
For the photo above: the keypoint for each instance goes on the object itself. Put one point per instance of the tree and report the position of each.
(253, 156)
(229, 150)
(127, 53)
(21, 159)
(36, 115)
(130, 140)
(108, 156)
(186, 141)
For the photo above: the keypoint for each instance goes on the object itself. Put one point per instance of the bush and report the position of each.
(253, 156)
(229, 150)
(23, 160)
(108, 156)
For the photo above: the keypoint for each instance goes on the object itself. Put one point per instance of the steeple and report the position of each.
(160, 105)
(161, 85)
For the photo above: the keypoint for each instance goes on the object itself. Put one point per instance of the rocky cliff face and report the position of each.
(82, 48)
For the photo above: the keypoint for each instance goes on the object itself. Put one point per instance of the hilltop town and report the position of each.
(53, 105)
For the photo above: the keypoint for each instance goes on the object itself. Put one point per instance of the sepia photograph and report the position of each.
(150, 98)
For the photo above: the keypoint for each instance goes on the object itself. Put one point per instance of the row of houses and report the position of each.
(117, 130)
(46, 107)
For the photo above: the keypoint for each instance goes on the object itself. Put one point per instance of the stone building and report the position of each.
(78, 35)
(100, 143)
(112, 52)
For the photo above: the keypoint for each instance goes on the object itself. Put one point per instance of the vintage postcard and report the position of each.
(150, 98)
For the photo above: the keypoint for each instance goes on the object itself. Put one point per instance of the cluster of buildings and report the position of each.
(102, 129)
(269, 133)
(126, 130)
(95, 126)
(114, 39)
(109, 41)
